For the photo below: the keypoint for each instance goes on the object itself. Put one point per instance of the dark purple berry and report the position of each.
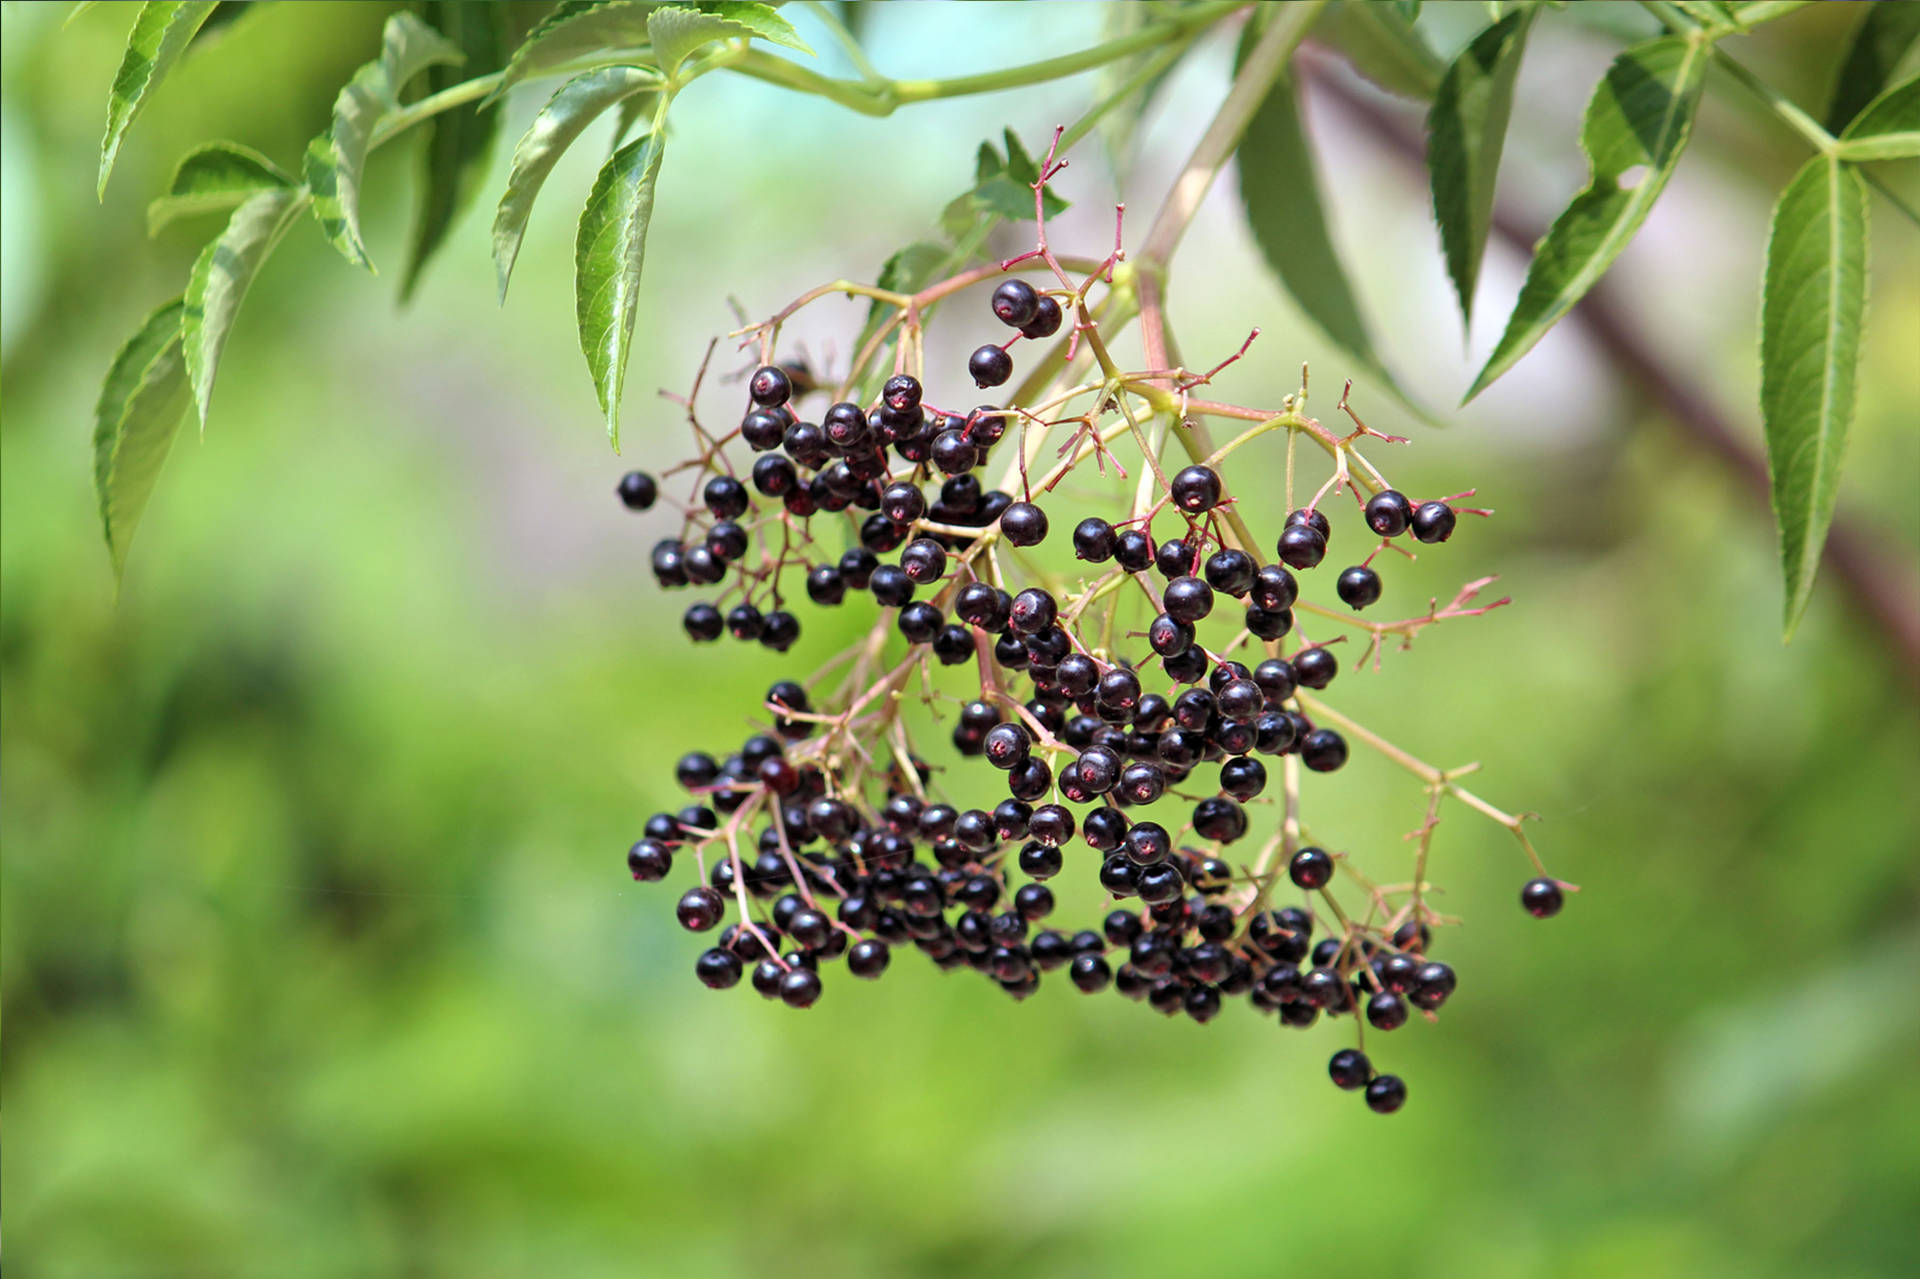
(770, 387)
(1358, 586)
(1542, 898)
(1014, 303)
(1433, 521)
(1389, 513)
(1195, 489)
(637, 490)
(1046, 319)
(990, 366)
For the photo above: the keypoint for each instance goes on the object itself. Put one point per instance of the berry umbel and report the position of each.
(1021, 727)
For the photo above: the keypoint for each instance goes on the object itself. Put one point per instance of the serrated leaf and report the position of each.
(161, 32)
(577, 104)
(220, 279)
(1812, 304)
(677, 31)
(608, 254)
(1466, 132)
(1888, 128)
(1886, 33)
(459, 142)
(141, 403)
(576, 29)
(1383, 46)
(1003, 188)
(1640, 115)
(334, 160)
(1281, 193)
(908, 271)
(211, 178)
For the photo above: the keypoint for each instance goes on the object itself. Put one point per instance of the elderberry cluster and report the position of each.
(1127, 754)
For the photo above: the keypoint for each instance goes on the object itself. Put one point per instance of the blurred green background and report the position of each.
(319, 956)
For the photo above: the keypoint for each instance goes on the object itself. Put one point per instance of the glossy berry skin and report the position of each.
(649, 861)
(1323, 750)
(1358, 586)
(702, 623)
(1386, 1094)
(990, 366)
(1133, 550)
(1389, 513)
(1432, 984)
(770, 387)
(868, 958)
(700, 909)
(1187, 599)
(1274, 589)
(1006, 746)
(1168, 636)
(1349, 1069)
(1231, 571)
(1386, 1011)
(637, 491)
(1024, 524)
(799, 987)
(1046, 319)
(1090, 974)
(1195, 489)
(1433, 521)
(726, 497)
(1301, 546)
(718, 969)
(1315, 667)
(1015, 302)
(774, 476)
(1093, 540)
(1542, 898)
(1311, 868)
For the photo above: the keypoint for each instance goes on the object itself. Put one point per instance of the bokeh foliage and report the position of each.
(319, 958)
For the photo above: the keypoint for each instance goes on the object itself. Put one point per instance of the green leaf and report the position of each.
(1886, 33)
(576, 29)
(1122, 120)
(211, 178)
(1383, 46)
(221, 276)
(459, 142)
(1002, 188)
(677, 31)
(335, 159)
(1282, 198)
(565, 117)
(1466, 131)
(908, 271)
(1640, 115)
(1710, 13)
(135, 419)
(161, 32)
(607, 255)
(1810, 316)
(1752, 13)
(1888, 128)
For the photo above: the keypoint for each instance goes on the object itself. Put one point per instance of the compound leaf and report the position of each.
(1381, 43)
(1886, 33)
(576, 29)
(1888, 128)
(220, 279)
(459, 142)
(1466, 132)
(335, 159)
(1812, 305)
(677, 31)
(161, 32)
(135, 419)
(213, 177)
(1639, 117)
(577, 104)
(608, 254)
(1281, 193)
